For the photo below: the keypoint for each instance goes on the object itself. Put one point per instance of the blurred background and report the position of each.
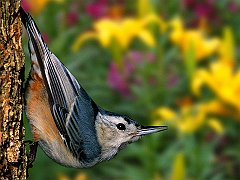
(161, 62)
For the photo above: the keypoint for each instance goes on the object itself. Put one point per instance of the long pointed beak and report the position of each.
(151, 129)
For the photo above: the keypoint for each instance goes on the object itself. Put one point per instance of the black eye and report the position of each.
(121, 126)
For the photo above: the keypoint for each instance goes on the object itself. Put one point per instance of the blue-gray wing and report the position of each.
(73, 110)
(80, 128)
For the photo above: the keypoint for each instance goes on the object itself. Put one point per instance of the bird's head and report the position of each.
(115, 131)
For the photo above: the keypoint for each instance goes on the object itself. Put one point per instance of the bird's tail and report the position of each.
(47, 65)
(24, 16)
(37, 47)
(31, 27)
(39, 52)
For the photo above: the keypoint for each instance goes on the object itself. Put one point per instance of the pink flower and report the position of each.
(205, 10)
(117, 81)
(189, 3)
(233, 6)
(121, 79)
(97, 9)
(105, 8)
(72, 18)
(26, 6)
(45, 37)
(172, 80)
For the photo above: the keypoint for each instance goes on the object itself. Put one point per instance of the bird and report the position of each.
(65, 121)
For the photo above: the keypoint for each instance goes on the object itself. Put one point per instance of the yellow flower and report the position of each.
(63, 177)
(226, 50)
(144, 7)
(179, 167)
(123, 32)
(222, 79)
(190, 118)
(216, 125)
(216, 107)
(195, 39)
(187, 120)
(165, 112)
(81, 176)
(37, 6)
(177, 30)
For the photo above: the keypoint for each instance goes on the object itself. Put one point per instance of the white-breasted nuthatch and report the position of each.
(69, 126)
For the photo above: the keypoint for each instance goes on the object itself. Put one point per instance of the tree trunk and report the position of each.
(13, 159)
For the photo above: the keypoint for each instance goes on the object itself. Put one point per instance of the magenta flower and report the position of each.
(45, 37)
(121, 80)
(233, 6)
(72, 15)
(105, 8)
(97, 9)
(172, 80)
(117, 81)
(26, 6)
(72, 18)
(205, 9)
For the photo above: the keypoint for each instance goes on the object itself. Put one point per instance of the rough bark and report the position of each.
(13, 159)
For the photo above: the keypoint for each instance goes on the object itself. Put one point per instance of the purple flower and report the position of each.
(117, 81)
(45, 37)
(189, 3)
(121, 79)
(72, 18)
(172, 80)
(105, 8)
(26, 6)
(233, 6)
(205, 9)
(97, 9)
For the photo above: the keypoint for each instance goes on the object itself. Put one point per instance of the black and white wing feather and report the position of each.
(73, 110)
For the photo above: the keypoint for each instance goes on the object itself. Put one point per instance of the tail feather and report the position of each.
(38, 49)
(62, 87)
(37, 45)
(24, 15)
